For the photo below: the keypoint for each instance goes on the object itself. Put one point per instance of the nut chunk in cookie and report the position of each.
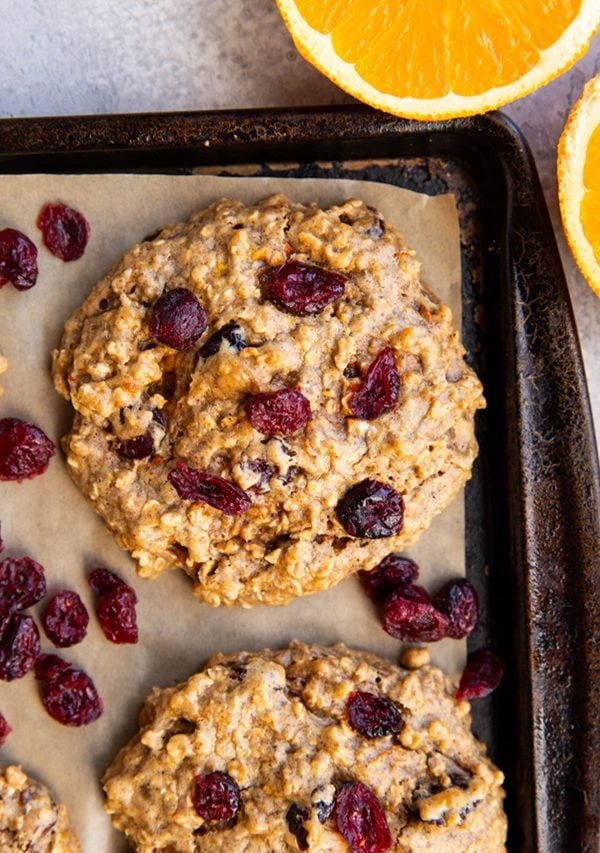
(267, 397)
(308, 748)
(30, 819)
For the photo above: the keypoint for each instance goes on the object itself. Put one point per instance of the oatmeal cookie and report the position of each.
(267, 397)
(29, 817)
(267, 751)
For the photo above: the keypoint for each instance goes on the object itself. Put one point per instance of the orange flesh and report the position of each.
(590, 202)
(425, 48)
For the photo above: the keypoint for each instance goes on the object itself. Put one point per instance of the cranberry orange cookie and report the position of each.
(267, 397)
(29, 817)
(309, 748)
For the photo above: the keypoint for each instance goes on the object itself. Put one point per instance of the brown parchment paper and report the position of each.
(47, 519)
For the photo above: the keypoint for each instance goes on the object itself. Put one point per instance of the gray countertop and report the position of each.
(105, 56)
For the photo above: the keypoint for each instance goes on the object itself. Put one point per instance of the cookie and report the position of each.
(267, 397)
(267, 751)
(30, 819)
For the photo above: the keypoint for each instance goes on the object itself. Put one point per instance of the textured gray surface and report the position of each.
(103, 56)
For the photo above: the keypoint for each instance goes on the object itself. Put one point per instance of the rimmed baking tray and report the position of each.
(533, 505)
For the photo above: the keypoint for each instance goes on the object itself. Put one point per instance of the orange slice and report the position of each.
(434, 59)
(579, 182)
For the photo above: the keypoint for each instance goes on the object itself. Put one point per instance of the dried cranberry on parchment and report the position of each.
(25, 450)
(65, 231)
(115, 606)
(18, 259)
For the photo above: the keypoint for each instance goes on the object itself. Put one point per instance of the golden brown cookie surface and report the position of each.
(279, 725)
(30, 819)
(190, 406)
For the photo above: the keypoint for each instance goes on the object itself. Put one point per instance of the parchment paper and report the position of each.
(47, 519)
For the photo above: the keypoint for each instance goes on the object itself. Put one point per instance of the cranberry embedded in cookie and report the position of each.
(193, 485)
(302, 289)
(278, 412)
(138, 447)
(361, 819)
(216, 796)
(379, 390)
(371, 715)
(371, 509)
(177, 319)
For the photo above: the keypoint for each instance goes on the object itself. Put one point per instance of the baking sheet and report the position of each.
(47, 518)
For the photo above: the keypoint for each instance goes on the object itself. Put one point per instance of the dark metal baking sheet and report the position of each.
(533, 506)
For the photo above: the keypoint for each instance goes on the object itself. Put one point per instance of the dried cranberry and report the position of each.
(5, 615)
(25, 450)
(177, 319)
(371, 509)
(5, 730)
(65, 231)
(103, 580)
(50, 667)
(66, 619)
(371, 715)
(199, 486)
(302, 289)
(378, 392)
(18, 259)
(19, 647)
(458, 601)
(361, 819)
(295, 817)
(116, 613)
(22, 582)
(230, 333)
(409, 615)
(482, 674)
(115, 607)
(393, 571)
(216, 796)
(139, 447)
(71, 698)
(278, 412)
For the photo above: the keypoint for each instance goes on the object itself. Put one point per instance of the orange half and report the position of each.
(579, 182)
(434, 59)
